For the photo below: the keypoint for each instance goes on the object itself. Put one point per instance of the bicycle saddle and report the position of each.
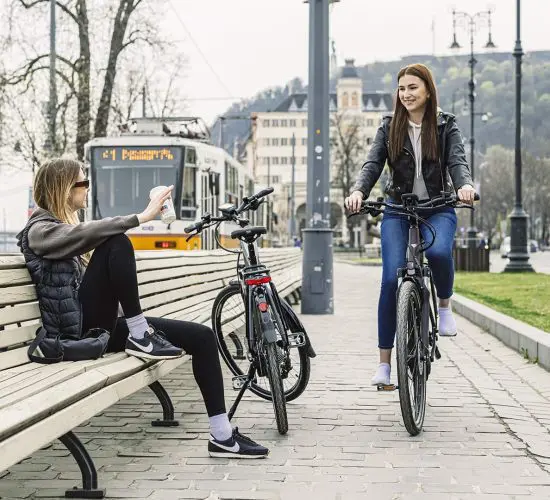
(248, 232)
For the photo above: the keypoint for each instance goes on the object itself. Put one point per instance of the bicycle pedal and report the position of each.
(297, 339)
(389, 387)
(239, 381)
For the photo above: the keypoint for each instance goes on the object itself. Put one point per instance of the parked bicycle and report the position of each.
(259, 336)
(417, 314)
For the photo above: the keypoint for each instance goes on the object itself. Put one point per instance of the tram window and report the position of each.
(188, 197)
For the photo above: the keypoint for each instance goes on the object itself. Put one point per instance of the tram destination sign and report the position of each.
(128, 155)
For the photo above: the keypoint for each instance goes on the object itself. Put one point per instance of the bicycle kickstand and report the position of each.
(244, 387)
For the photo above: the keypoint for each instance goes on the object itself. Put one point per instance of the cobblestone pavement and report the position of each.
(486, 433)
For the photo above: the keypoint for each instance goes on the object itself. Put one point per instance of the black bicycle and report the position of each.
(259, 336)
(417, 317)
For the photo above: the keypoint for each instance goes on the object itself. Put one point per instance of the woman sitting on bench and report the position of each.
(83, 290)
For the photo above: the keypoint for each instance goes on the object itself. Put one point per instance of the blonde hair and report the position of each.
(52, 189)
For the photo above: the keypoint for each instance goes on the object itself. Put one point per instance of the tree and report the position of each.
(348, 146)
(76, 69)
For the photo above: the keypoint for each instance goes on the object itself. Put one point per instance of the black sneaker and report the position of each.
(237, 446)
(153, 345)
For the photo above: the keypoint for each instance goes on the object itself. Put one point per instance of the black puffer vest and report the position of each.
(57, 283)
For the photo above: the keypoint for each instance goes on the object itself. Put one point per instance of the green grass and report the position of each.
(524, 296)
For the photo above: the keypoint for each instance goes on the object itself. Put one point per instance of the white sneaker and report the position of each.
(382, 375)
(447, 323)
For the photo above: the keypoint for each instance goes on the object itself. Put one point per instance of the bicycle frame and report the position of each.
(418, 271)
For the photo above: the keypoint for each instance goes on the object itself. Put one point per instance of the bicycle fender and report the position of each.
(295, 325)
(267, 326)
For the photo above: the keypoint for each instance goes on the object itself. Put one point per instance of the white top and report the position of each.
(419, 186)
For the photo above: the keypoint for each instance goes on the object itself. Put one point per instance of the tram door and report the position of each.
(210, 182)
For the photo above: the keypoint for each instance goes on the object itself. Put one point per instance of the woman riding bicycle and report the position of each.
(425, 154)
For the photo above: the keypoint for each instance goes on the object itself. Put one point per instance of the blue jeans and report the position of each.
(395, 236)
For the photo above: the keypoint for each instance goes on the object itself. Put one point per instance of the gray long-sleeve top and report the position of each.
(58, 240)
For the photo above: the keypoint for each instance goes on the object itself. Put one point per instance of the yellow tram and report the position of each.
(152, 152)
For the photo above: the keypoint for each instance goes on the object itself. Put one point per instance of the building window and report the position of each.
(292, 123)
(369, 141)
(274, 123)
(265, 160)
(265, 123)
(370, 122)
(304, 123)
(304, 160)
(304, 141)
(284, 123)
(284, 160)
(275, 179)
(275, 160)
(284, 141)
(354, 101)
(266, 141)
(274, 141)
(345, 100)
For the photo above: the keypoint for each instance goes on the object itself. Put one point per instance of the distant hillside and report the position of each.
(495, 89)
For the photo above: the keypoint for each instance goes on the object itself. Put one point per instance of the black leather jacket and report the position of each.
(454, 174)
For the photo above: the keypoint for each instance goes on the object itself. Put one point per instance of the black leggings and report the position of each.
(111, 278)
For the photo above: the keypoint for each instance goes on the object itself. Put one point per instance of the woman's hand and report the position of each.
(153, 209)
(353, 201)
(466, 194)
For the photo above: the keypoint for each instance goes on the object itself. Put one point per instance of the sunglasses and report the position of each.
(82, 184)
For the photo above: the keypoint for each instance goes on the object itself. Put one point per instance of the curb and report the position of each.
(529, 341)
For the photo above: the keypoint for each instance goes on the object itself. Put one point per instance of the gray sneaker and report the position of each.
(153, 345)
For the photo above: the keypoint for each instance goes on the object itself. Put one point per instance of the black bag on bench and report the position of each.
(52, 349)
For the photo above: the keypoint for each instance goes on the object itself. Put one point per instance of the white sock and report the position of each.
(137, 326)
(220, 427)
(384, 368)
(447, 323)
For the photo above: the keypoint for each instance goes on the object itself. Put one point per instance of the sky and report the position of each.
(238, 48)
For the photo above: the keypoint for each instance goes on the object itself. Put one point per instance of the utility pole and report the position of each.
(292, 190)
(52, 105)
(317, 284)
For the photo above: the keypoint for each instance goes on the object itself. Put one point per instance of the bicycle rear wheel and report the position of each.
(272, 365)
(411, 370)
(229, 324)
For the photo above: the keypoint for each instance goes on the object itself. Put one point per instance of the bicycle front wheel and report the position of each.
(229, 324)
(411, 364)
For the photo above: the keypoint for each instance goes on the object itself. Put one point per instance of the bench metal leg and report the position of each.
(167, 407)
(87, 468)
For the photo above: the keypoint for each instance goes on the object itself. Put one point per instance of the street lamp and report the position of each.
(518, 256)
(472, 25)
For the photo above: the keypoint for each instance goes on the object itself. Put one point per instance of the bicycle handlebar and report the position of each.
(447, 200)
(251, 203)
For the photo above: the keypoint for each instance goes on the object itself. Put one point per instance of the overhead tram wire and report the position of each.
(229, 93)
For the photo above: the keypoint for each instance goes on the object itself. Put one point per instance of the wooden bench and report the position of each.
(40, 403)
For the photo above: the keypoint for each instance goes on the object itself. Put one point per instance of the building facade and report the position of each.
(269, 150)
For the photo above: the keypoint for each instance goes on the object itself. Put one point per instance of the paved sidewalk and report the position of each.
(487, 428)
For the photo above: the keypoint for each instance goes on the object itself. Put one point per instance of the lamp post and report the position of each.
(518, 256)
(472, 25)
(317, 289)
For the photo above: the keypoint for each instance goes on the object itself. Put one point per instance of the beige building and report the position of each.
(269, 148)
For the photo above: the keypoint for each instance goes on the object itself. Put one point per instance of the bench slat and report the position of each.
(174, 295)
(12, 261)
(14, 357)
(10, 277)
(19, 335)
(17, 294)
(19, 313)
